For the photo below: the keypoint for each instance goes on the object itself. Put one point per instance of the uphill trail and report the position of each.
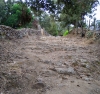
(53, 65)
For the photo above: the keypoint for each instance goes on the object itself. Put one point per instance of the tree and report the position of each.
(12, 20)
(2, 11)
(67, 11)
(8, 6)
(48, 22)
(94, 23)
(19, 15)
(44, 21)
(26, 15)
(75, 10)
(98, 23)
(14, 13)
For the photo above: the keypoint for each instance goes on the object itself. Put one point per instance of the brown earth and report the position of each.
(49, 65)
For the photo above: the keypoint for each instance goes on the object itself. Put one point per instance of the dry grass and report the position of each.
(90, 41)
(98, 41)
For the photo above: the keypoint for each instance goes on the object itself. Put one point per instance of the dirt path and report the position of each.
(56, 65)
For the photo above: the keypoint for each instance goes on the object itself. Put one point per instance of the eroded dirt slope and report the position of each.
(49, 65)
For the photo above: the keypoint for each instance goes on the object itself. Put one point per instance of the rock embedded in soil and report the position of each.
(85, 65)
(87, 78)
(47, 62)
(68, 71)
(39, 84)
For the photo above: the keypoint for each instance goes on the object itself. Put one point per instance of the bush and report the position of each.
(89, 34)
(65, 33)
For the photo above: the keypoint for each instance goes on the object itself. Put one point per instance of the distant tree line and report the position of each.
(53, 15)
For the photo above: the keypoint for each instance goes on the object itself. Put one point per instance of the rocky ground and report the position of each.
(49, 65)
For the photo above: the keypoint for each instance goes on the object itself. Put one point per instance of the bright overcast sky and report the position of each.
(98, 12)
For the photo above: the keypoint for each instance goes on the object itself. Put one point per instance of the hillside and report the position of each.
(49, 65)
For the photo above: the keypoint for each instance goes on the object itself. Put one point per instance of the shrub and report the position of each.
(89, 34)
(65, 33)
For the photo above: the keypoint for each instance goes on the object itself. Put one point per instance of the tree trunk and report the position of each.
(82, 32)
(68, 27)
(89, 25)
(94, 24)
(76, 25)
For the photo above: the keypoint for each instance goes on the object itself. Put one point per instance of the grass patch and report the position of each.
(75, 64)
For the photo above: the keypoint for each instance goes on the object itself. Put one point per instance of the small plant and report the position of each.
(89, 34)
(65, 33)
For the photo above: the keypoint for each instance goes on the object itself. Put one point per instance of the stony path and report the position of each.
(55, 65)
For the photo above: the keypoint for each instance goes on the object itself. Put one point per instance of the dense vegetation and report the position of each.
(14, 14)
(53, 15)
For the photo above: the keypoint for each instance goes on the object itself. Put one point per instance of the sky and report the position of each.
(98, 12)
(97, 16)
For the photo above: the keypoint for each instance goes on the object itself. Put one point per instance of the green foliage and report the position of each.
(44, 21)
(48, 22)
(16, 7)
(64, 12)
(14, 14)
(65, 33)
(12, 20)
(2, 11)
(53, 29)
(74, 10)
